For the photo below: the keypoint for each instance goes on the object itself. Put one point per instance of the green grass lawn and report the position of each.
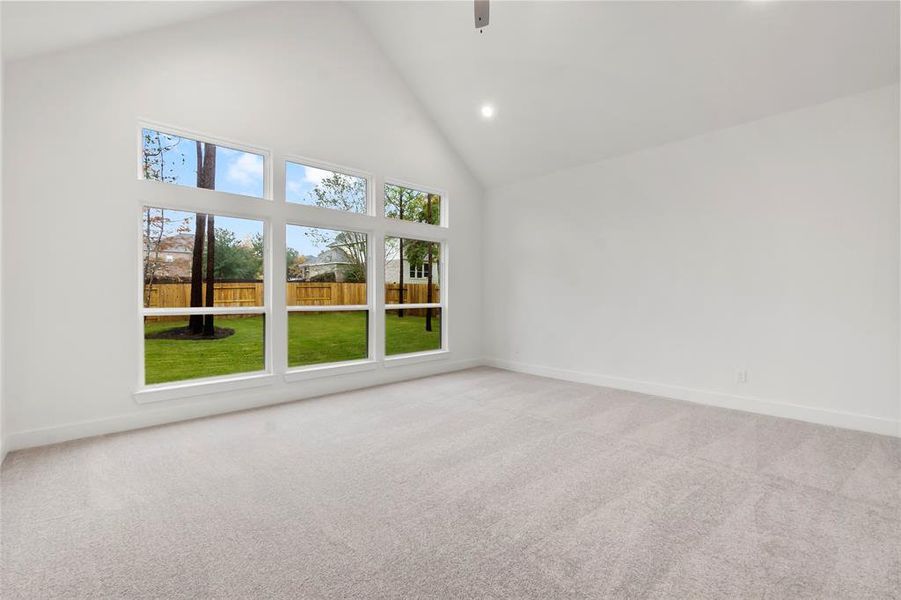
(407, 334)
(174, 360)
(313, 338)
(326, 337)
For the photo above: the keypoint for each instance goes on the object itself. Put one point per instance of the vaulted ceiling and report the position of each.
(32, 27)
(572, 82)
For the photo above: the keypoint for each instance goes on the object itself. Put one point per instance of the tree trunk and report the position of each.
(428, 292)
(400, 266)
(195, 322)
(208, 325)
(206, 178)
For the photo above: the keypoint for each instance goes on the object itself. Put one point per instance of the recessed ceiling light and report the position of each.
(487, 111)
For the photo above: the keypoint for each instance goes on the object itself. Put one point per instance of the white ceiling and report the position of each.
(31, 27)
(574, 82)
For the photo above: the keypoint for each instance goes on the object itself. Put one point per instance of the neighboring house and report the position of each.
(331, 264)
(412, 273)
(172, 260)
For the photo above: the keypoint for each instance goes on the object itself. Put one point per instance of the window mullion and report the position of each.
(278, 267)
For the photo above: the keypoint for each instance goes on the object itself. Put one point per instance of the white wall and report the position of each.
(302, 78)
(2, 280)
(772, 246)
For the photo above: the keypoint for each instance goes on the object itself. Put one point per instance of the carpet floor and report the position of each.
(476, 484)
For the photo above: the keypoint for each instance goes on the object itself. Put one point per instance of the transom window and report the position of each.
(408, 204)
(181, 160)
(324, 188)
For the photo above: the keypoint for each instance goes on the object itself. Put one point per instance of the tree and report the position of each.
(431, 253)
(411, 205)
(396, 200)
(236, 259)
(157, 148)
(204, 229)
(293, 260)
(160, 233)
(342, 192)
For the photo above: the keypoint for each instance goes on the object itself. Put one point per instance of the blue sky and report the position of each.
(300, 181)
(240, 172)
(237, 172)
(297, 238)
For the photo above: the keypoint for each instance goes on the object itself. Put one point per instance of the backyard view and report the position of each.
(172, 359)
(313, 338)
(195, 260)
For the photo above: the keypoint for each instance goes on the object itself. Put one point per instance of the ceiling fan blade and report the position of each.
(481, 13)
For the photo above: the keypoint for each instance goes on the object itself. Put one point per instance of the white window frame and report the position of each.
(320, 369)
(202, 137)
(342, 170)
(419, 271)
(276, 213)
(169, 196)
(426, 232)
(443, 221)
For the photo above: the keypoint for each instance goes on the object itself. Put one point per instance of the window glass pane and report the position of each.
(225, 345)
(177, 241)
(174, 159)
(412, 273)
(412, 205)
(323, 188)
(412, 330)
(327, 337)
(325, 267)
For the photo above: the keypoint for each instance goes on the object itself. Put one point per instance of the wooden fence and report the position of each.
(178, 295)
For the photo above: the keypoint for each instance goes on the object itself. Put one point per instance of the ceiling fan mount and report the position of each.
(481, 14)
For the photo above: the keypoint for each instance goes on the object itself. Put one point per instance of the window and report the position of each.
(413, 309)
(327, 296)
(203, 295)
(183, 161)
(419, 271)
(209, 260)
(407, 204)
(323, 188)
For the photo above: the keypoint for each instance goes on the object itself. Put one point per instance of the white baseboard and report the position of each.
(160, 414)
(821, 416)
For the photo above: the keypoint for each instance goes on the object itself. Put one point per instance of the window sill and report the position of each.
(314, 371)
(400, 360)
(174, 391)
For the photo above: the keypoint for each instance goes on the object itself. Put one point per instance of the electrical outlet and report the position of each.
(742, 376)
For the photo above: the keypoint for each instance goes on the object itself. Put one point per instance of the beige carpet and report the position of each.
(478, 484)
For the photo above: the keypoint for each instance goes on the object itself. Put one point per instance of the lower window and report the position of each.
(319, 337)
(177, 349)
(411, 330)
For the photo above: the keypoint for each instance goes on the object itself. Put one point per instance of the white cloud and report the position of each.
(315, 176)
(246, 170)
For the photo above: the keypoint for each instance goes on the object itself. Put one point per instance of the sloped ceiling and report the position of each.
(574, 82)
(31, 27)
